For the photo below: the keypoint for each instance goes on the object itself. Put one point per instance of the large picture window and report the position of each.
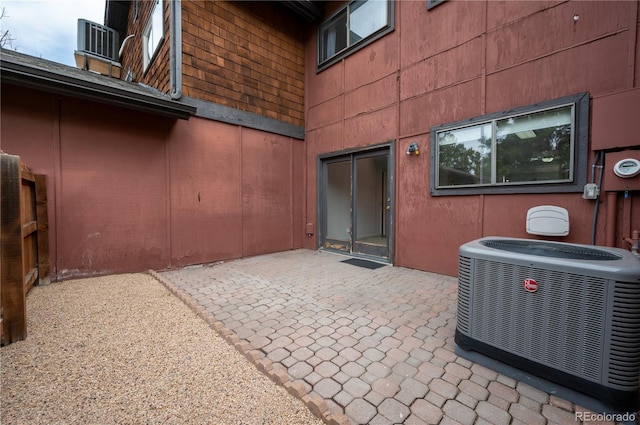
(352, 27)
(540, 148)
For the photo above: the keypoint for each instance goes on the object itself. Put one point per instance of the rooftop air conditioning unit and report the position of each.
(98, 40)
(564, 312)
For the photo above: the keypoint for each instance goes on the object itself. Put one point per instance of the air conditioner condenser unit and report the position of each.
(567, 313)
(98, 40)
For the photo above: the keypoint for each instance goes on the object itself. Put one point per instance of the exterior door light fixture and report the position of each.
(413, 149)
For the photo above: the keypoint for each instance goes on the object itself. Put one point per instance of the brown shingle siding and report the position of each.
(246, 55)
(157, 75)
(251, 56)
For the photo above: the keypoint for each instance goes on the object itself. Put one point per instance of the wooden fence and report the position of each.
(24, 252)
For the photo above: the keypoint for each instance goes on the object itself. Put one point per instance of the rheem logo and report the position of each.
(530, 285)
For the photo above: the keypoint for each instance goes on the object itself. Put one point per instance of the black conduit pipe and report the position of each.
(599, 158)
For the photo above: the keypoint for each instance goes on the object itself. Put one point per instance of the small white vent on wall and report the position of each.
(98, 40)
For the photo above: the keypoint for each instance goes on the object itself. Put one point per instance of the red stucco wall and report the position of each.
(462, 60)
(129, 191)
(234, 192)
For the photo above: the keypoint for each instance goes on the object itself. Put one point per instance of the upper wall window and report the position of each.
(353, 26)
(539, 148)
(153, 34)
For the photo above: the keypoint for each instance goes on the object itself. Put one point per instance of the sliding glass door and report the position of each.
(356, 203)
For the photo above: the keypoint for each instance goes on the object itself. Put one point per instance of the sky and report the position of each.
(47, 28)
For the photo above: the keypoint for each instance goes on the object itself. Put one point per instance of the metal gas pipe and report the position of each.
(633, 241)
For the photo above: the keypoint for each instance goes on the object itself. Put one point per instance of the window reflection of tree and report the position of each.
(462, 165)
(543, 157)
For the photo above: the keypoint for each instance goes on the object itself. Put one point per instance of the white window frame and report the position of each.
(351, 46)
(576, 179)
(153, 34)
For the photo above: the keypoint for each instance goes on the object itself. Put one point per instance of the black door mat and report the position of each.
(371, 265)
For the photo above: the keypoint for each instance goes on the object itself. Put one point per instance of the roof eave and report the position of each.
(308, 10)
(21, 75)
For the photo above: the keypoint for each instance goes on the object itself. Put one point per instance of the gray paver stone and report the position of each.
(443, 388)
(341, 377)
(458, 370)
(379, 369)
(348, 341)
(373, 354)
(385, 387)
(374, 398)
(339, 361)
(326, 353)
(405, 370)
(503, 391)
(314, 361)
(459, 412)
(415, 388)
(360, 411)
(467, 400)
(278, 354)
(498, 401)
(451, 378)
(356, 387)
(492, 413)
(313, 378)
(529, 403)
(421, 354)
(558, 416)
(414, 420)
(474, 390)
(396, 355)
(508, 381)
(393, 410)
(532, 393)
(302, 353)
(526, 415)
(428, 412)
(428, 371)
(487, 373)
(447, 355)
(343, 398)
(380, 420)
(353, 369)
(325, 341)
(300, 370)
(327, 388)
(326, 369)
(350, 354)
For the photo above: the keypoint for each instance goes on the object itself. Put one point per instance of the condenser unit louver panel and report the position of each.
(98, 40)
(568, 313)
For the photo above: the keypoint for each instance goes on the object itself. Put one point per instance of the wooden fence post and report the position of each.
(44, 266)
(14, 311)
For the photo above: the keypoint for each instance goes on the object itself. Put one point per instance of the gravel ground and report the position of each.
(122, 350)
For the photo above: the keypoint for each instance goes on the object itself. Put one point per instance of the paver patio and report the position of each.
(358, 345)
